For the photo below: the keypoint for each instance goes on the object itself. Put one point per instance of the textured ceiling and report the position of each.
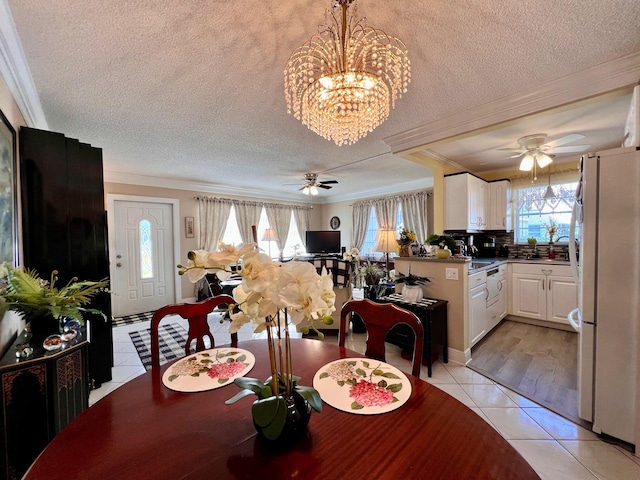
(193, 90)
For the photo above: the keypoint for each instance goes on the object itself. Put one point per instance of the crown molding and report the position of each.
(16, 72)
(597, 80)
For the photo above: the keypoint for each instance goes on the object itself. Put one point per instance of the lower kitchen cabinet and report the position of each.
(477, 301)
(41, 394)
(543, 292)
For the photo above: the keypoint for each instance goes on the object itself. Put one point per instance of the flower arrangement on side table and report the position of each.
(272, 296)
(44, 305)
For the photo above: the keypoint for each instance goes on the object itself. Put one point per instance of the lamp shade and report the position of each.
(543, 160)
(269, 235)
(386, 241)
(527, 163)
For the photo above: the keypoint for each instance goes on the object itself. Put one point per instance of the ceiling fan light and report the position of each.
(313, 190)
(543, 160)
(306, 191)
(527, 163)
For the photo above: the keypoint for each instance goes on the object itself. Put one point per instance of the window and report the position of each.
(533, 211)
(146, 250)
(372, 230)
(292, 246)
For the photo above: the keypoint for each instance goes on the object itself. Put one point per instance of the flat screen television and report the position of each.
(323, 241)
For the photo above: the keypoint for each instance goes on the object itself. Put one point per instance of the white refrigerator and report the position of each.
(608, 272)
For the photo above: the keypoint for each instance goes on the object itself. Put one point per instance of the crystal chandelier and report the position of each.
(341, 82)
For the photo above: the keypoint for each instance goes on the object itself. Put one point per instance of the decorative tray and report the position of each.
(362, 386)
(208, 369)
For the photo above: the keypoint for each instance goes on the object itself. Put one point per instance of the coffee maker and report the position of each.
(486, 245)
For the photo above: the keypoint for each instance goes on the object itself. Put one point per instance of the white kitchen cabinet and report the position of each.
(465, 202)
(477, 307)
(499, 206)
(543, 292)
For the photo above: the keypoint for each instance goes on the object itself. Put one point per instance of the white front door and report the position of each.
(142, 256)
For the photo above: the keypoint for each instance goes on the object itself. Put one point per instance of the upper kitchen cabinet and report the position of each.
(499, 205)
(465, 202)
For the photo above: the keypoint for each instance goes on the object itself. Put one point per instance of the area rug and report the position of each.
(131, 319)
(172, 341)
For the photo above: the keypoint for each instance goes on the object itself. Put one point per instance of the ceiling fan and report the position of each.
(311, 184)
(535, 152)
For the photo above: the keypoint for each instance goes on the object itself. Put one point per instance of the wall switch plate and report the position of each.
(451, 273)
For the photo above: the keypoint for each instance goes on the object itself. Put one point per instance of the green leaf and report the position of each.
(395, 400)
(197, 374)
(389, 375)
(382, 383)
(365, 364)
(361, 372)
(324, 375)
(230, 360)
(311, 395)
(173, 377)
(252, 384)
(241, 358)
(356, 406)
(270, 415)
(243, 393)
(352, 381)
(205, 354)
(395, 388)
(352, 363)
(206, 361)
(223, 380)
(340, 383)
(266, 392)
(378, 372)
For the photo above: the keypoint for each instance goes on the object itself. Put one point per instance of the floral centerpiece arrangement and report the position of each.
(40, 302)
(272, 296)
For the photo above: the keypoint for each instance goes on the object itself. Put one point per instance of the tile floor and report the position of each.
(556, 448)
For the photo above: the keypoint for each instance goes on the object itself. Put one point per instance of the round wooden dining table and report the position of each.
(143, 430)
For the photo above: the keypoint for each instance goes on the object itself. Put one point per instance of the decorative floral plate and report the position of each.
(208, 369)
(362, 386)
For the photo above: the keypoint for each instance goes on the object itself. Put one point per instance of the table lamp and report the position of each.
(269, 236)
(386, 242)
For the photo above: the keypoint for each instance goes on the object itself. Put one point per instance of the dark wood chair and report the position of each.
(378, 319)
(196, 314)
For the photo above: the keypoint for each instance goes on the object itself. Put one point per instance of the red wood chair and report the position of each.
(379, 318)
(196, 314)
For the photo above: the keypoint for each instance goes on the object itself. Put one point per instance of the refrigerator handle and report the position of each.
(573, 253)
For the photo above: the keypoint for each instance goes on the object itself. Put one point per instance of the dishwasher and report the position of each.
(494, 285)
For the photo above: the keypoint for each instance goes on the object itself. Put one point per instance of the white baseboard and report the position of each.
(458, 356)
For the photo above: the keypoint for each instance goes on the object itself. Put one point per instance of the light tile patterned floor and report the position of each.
(556, 448)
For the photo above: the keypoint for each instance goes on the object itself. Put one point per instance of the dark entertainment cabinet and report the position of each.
(64, 225)
(41, 394)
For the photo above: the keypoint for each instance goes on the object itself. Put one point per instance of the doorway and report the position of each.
(143, 253)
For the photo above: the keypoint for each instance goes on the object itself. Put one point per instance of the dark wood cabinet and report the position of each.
(64, 225)
(40, 396)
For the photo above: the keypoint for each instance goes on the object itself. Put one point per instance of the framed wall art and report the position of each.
(188, 227)
(8, 196)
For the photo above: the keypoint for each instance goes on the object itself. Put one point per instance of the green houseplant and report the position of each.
(43, 304)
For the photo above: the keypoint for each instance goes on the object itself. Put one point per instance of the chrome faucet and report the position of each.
(560, 238)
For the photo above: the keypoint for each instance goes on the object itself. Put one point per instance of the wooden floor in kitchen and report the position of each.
(539, 363)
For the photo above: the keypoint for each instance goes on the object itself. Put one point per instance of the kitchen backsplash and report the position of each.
(526, 250)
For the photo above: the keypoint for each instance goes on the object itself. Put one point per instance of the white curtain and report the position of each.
(414, 213)
(386, 212)
(247, 215)
(301, 217)
(360, 223)
(213, 214)
(279, 217)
